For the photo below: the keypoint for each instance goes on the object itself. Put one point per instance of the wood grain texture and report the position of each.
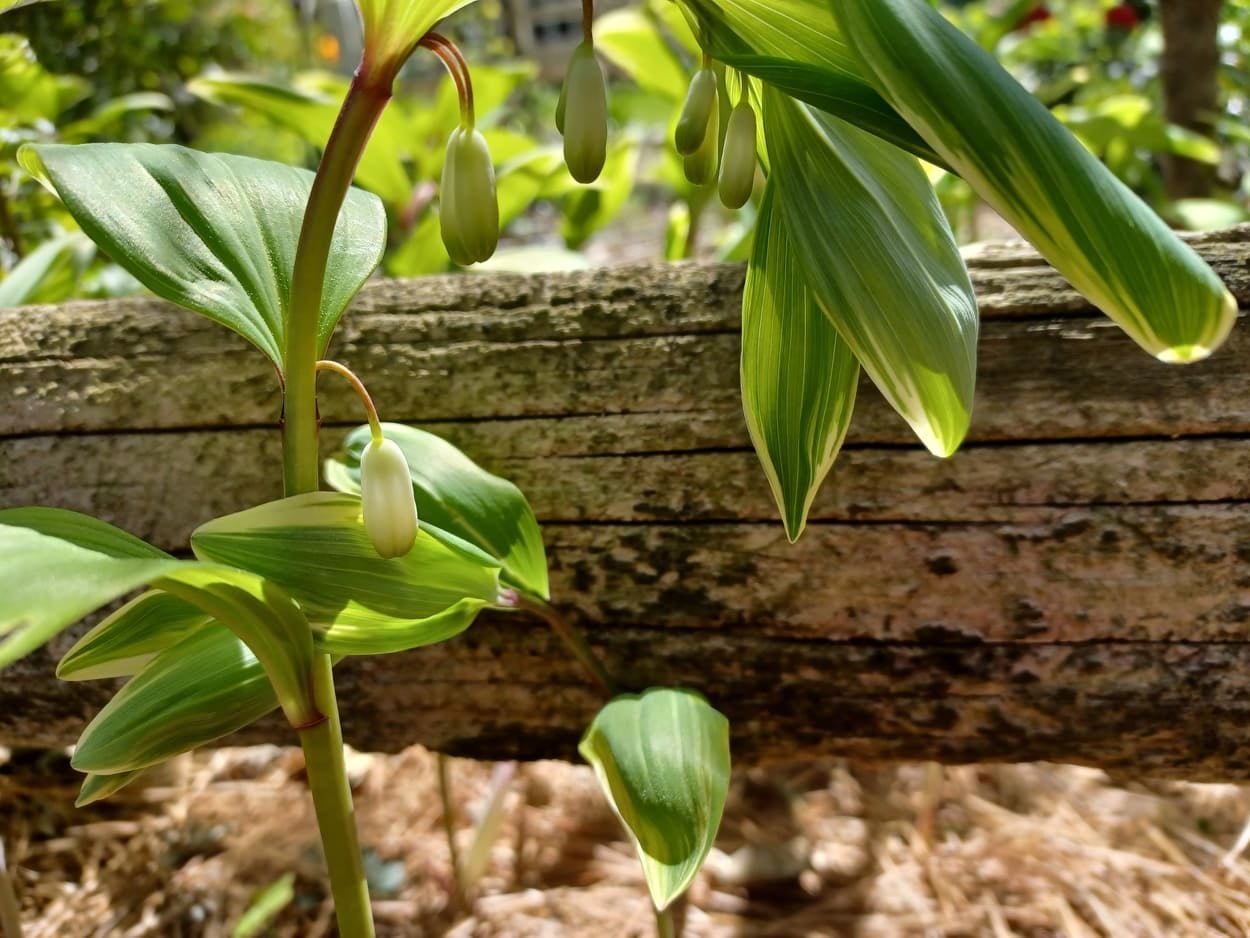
(1073, 585)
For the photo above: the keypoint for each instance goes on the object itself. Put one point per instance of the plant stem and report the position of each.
(336, 819)
(572, 638)
(361, 110)
(449, 829)
(664, 926)
(323, 744)
(371, 412)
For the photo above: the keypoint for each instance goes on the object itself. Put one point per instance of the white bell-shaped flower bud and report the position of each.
(584, 117)
(737, 164)
(692, 124)
(386, 496)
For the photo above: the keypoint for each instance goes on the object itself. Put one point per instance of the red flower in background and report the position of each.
(1123, 17)
(1038, 14)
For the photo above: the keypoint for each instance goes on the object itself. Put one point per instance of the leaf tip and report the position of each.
(1189, 353)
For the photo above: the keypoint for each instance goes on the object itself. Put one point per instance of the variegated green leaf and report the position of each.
(315, 547)
(213, 232)
(98, 787)
(798, 375)
(393, 28)
(265, 618)
(796, 47)
(205, 687)
(662, 760)
(1020, 159)
(56, 566)
(460, 501)
(131, 637)
(881, 261)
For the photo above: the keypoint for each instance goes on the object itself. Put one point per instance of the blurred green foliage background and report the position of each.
(264, 78)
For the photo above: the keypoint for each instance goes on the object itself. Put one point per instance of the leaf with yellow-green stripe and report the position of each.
(1019, 158)
(879, 258)
(798, 375)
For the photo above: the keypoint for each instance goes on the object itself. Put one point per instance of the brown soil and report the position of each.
(828, 850)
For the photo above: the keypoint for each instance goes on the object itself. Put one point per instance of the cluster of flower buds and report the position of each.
(582, 113)
(698, 138)
(469, 206)
(387, 499)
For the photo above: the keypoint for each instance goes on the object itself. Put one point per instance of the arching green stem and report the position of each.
(323, 745)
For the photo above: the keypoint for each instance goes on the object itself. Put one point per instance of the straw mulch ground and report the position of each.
(830, 849)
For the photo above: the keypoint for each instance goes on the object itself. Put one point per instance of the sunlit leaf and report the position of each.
(311, 114)
(392, 28)
(1206, 214)
(49, 273)
(264, 906)
(662, 759)
(798, 375)
(98, 787)
(212, 232)
(461, 500)
(629, 40)
(881, 261)
(1003, 141)
(6, 5)
(314, 546)
(201, 689)
(113, 112)
(56, 566)
(796, 46)
(131, 637)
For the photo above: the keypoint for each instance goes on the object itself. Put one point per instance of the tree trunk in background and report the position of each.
(1190, 70)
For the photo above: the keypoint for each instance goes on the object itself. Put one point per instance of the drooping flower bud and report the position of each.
(469, 207)
(585, 115)
(701, 165)
(387, 500)
(562, 106)
(737, 164)
(693, 123)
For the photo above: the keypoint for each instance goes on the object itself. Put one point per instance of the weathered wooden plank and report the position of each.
(1073, 585)
(505, 689)
(623, 341)
(160, 485)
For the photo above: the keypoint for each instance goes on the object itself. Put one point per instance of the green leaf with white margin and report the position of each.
(882, 263)
(97, 787)
(315, 547)
(798, 376)
(56, 566)
(461, 500)
(662, 760)
(212, 232)
(131, 637)
(207, 686)
(1110, 245)
(796, 46)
